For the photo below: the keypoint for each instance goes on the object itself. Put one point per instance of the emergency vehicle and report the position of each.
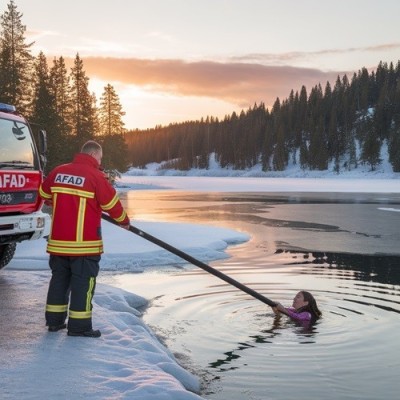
(21, 173)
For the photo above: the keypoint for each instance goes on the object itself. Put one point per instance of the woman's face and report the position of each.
(299, 301)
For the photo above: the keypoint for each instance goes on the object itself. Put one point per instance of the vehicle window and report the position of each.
(15, 143)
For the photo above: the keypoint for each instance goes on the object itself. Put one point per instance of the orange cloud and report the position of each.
(235, 82)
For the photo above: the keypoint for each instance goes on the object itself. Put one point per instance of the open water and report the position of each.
(344, 248)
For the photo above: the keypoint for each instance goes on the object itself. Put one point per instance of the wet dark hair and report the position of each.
(311, 307)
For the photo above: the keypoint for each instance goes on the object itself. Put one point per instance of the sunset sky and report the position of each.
(179, 60)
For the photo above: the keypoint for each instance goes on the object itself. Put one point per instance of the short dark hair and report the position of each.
(90, 146)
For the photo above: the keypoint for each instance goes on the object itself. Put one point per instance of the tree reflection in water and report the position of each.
(369, 268)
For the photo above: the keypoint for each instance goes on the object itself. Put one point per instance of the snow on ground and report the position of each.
(127, 361)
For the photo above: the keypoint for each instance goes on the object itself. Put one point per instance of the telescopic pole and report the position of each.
(194, 261)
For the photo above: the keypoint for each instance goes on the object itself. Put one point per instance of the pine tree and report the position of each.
(383, 111)
(364, 84)
(280, 159)
(110, 113)
(304, 156)
(115, 154)
(44, 113)
(317, 133)
(60, 88)
(371, 148)
(394, 148)
(15, 60)
(394, 138)
(82, 103)
(302, 128)
(111, 128)
(95, 117)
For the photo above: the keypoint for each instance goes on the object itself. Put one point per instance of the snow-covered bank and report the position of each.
(293, 179)
(127, 362)
(383, 170)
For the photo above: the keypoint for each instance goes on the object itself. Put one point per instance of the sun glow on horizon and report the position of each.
(146, 108)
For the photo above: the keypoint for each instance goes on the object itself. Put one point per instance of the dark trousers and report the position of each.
(71, 291)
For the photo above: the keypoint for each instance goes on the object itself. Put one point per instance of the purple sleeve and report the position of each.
(303, 316)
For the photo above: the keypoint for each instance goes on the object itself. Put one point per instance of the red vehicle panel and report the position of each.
(19, 191)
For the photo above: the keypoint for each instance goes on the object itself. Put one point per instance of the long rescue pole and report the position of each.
(194, 261)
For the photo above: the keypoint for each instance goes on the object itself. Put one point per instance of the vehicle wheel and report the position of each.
(6, 253)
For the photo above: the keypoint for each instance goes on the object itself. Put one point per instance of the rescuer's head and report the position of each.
(93, 149)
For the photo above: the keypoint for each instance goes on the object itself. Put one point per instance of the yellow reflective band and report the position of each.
(89, 294)
(57, 308)
(81, 219)
(122, 217)
(43, 193)
(54, 203)
(75, 192)
(80, 314)
(64, 243)
(72, 251)
(111, 204)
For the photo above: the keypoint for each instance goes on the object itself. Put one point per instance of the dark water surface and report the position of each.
(344, 248)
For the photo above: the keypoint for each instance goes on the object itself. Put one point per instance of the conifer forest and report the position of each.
(341, 125)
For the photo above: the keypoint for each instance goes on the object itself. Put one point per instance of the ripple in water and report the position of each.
(237, 343)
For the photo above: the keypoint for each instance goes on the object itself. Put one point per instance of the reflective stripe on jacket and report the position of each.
(79, 192)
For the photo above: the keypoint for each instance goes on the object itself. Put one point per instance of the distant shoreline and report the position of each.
(196, 183)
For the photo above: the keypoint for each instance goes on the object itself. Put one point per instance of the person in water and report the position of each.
(304, 308)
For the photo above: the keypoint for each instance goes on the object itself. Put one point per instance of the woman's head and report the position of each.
(305, 301)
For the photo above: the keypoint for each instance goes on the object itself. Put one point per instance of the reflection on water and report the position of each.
(346, 253)
(305, 335)
(381, 269)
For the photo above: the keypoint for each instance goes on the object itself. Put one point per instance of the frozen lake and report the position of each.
(344, 248)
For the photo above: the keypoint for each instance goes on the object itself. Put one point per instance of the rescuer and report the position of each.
(79, 192)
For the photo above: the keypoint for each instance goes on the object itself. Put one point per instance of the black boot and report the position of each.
(90, 333)
(56, 328)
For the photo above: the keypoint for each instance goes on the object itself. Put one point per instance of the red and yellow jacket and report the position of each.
(79, 192)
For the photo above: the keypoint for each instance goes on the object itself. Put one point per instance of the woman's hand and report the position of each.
(279, 308)
(275, 310)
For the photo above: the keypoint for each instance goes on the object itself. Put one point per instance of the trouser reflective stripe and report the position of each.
(56, 308)
(56, 314)
(90, 292)
(80, 314)
(87, 314)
